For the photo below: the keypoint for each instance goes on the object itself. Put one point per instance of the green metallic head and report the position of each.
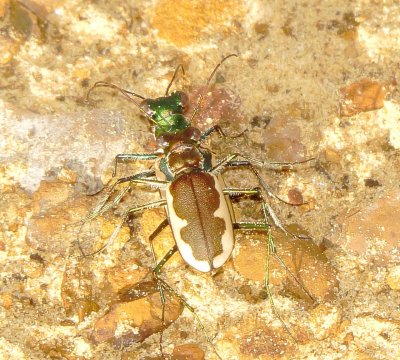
(167, 113)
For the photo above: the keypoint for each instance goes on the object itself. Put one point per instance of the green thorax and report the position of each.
(167, 113)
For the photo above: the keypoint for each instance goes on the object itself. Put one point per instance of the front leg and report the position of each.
(132, 157)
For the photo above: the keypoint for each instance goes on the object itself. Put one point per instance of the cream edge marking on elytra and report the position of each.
(227, 239)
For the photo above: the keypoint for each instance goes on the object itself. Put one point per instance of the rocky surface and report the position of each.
(313, 81)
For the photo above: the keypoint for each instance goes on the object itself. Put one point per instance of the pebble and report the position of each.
(129, 322)
(361, 96)
(188, 352)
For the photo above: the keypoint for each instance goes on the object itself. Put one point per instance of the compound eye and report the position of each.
(144, 105)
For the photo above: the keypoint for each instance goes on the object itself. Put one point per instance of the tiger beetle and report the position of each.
(197, 204)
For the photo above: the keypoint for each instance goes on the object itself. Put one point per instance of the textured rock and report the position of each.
(376, 222)
(305, 259)
(134, 321)
(251, 338)
(193, 19)
(393, 278)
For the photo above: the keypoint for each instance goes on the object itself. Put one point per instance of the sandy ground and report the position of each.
(313, 80)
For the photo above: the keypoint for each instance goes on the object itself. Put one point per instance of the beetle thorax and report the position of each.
(184, 158)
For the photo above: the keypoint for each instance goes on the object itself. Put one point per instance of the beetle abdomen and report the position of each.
(200, 220)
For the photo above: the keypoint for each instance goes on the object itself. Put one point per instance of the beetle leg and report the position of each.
(264, 225)
(103, 205)
(193, 311)
(249, 164)
(208, 132)
(155, 233)
(271, 247)
(280, 166)
(132, 157)
(158, 266)
(157, 269)
(228, 161)
(151, 205)
(218, 129)
(164, 285)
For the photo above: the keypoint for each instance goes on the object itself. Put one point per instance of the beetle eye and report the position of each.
(144, 105)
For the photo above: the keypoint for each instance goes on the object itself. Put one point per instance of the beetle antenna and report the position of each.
(201, 97)
(128, 95)
(180, 66)
(113, 86)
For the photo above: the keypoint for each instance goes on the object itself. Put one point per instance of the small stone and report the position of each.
(380, 333)
(364, 95)
(125, 274)
(332, 156)
(265, 341)
(244, 289)
(261, 28)
(49, 195)
(6, 300)
(188, 352)
(348, 339)
(348, 26)
(295, 196)
(55, 223)
(28, 20)
(85, 308)
(15, 204)
(82, 73)
(134, 321)
(76, 289)
(282, 139)
(372, 183)
(393, 278)
(3, 8)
